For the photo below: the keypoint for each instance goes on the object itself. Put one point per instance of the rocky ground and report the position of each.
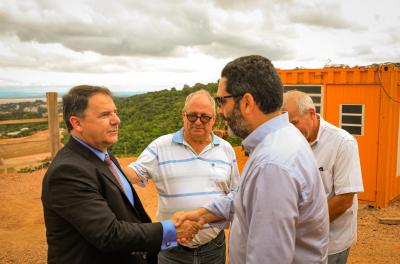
(22, 231)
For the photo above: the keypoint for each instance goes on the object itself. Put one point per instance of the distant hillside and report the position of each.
(145, 117)
(36, 108)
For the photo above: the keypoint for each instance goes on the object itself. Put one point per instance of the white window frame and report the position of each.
(362, 114)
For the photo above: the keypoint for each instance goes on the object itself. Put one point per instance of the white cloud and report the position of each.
(327, 16)
(154, 45)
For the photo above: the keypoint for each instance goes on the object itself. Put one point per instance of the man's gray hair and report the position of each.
(302, 100)
(201, 91)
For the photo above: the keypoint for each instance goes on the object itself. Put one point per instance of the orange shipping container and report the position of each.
(364, 101)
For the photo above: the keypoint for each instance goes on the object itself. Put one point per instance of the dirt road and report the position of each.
(22, 231)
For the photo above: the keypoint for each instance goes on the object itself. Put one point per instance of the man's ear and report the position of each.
(248, 103)
(75, 123)
(312, 111)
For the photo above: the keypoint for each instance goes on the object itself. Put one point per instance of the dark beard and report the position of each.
(236, 122)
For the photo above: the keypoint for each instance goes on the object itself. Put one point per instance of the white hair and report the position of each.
(201, 91)
(302, 100)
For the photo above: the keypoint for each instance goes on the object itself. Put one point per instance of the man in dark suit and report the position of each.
(92, 213)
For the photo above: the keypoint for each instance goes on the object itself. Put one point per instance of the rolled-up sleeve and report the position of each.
(146, 165)
(222, 207)
(347, 169)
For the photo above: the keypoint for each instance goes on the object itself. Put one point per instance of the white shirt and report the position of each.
(186, 180)
(338, 160)
(280, 212)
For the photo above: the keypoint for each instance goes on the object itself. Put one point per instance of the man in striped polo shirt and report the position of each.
(189, 168)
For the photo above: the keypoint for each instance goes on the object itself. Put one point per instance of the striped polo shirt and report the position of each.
(186, 180)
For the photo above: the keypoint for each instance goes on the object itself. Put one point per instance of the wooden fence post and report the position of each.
(54, 129)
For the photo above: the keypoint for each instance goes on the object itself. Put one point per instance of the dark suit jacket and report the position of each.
(88, 217)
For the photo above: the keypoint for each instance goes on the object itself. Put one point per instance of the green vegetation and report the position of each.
(147, 116)
(23, 110)
(33, 128)
(144, 117)
(43, 164)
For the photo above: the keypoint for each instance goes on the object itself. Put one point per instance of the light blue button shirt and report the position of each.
(279, 213)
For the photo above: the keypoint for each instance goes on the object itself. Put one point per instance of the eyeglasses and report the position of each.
(221, 100)
(192, 117)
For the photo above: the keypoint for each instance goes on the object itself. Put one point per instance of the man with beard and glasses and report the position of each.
(189, 168)
(279, 212)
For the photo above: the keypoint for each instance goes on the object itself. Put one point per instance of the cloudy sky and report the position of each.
(152, 44)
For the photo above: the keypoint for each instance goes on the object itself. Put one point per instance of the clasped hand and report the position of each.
(187, 226)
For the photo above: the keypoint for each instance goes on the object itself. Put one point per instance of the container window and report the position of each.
(354, 130)
(314, 91)
(352, 118)
(352, 109)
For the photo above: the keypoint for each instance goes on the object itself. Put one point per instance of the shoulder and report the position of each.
(64, 156)
(283, 145)
(331, 132)
(162, 140)
(288, 150)
(69, 162)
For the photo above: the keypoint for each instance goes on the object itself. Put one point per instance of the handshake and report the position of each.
(188, 224)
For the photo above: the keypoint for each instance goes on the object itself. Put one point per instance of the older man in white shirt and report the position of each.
(337, 156)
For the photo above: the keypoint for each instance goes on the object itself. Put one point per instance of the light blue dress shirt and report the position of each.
(279, 213)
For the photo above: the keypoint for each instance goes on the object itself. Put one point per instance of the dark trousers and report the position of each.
(211, 253)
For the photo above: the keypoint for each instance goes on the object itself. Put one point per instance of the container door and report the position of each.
(355, 108)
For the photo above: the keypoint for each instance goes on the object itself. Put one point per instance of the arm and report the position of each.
(131, 174)
(339, 204)
(145, 167)
(215, 211)
(201, 215)
(76, 194)
(347, 179)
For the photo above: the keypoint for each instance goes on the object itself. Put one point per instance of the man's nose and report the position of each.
(115, 120)
(198, 121)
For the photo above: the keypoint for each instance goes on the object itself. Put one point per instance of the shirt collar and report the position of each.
(101, 155)
(178, 138)
(322, 124)
(255, 137)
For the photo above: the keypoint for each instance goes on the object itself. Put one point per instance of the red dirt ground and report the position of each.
(23, 240)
